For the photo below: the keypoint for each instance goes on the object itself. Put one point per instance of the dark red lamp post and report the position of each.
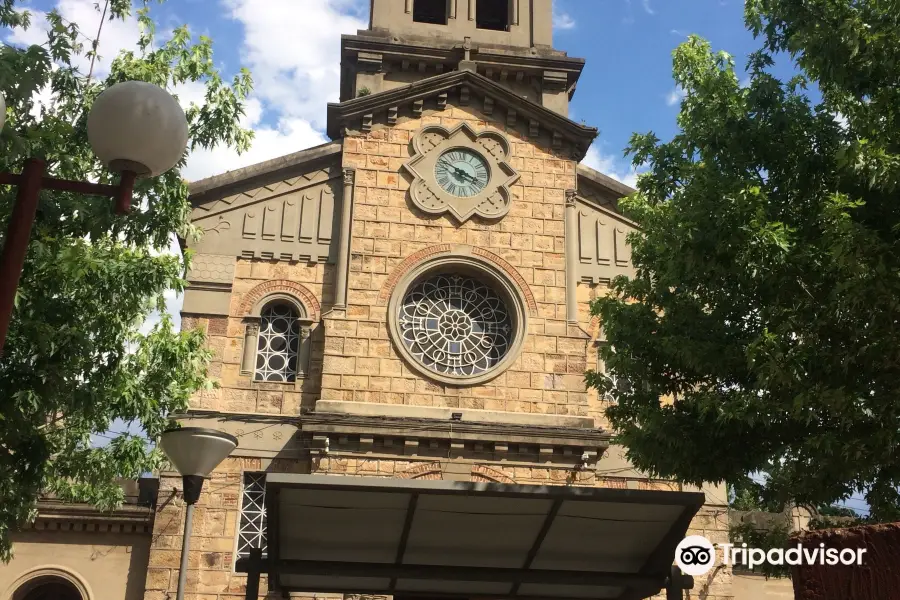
(136, 129)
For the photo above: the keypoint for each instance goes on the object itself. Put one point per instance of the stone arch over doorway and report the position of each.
(50, 582)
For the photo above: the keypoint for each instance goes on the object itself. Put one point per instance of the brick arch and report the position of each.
(483, 474)
(413, 259)
(593, 328)
(430, 470)
(514, 275)
(408, 263)
(284, 286)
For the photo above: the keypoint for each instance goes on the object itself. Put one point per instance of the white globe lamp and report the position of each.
(137, 127)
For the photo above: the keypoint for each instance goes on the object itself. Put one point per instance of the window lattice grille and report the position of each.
(455, 325)
(279, 340)
(619, 383)
(252, 533)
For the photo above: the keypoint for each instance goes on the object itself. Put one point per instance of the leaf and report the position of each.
(762, 320)
(75, 360)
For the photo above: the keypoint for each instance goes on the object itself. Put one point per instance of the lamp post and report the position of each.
(136, 129)
(195, 452)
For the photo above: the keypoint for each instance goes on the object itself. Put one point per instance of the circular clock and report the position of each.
(462, 172)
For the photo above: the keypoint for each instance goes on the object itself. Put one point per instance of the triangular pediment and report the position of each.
(280, 209)
(466, 87)
(266, 178)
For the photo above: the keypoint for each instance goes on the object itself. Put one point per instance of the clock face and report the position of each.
(462, 172)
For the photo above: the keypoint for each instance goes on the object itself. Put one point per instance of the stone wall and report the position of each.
(528, 244)
(309, 283)
(353, 358)
(106, 565)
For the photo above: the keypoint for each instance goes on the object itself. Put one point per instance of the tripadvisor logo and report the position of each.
(696, 555)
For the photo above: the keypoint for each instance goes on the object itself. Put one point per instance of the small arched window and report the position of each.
(278, 343)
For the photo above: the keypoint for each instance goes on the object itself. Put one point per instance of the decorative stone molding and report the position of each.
(212, 268)
(488, 106)
(575, 138)
(254, 296)
(485, 474)
(248, 356)
(602, 251)
(342, 268)
(492, 202)
(430, 470)
(22, 585)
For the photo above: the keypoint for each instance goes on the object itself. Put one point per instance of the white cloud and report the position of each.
(675, 96)
(562, 20)
(290, 135)
(647, 8)
(293, 49)
(611, 166)
(117, 35)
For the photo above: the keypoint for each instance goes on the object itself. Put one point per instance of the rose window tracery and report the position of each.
(455, 325)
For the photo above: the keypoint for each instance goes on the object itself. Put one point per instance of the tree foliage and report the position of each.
(75, 359)
(764, 311)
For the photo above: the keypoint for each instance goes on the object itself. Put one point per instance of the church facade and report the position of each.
(410, 300)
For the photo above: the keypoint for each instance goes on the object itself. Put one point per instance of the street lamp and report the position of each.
(136, 129)
(194, 452)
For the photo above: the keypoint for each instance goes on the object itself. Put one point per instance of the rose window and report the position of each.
(455, 325)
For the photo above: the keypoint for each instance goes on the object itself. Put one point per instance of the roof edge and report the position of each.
(202, 186)
(606, 181)
(340, 112)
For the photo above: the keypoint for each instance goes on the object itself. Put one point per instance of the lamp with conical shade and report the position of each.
(194, 452)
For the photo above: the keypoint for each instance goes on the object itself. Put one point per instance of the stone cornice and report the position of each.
(128, 518)
(361, 110)
(406, 427)
(617, 188)
(201, 188)
(452, 53)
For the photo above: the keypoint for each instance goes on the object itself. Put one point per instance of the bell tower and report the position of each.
(509, 41)
(512, 23)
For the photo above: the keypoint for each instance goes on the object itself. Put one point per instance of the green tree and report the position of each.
(75, 359)
(765, 307)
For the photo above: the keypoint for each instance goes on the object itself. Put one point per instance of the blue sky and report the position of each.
(292, 47)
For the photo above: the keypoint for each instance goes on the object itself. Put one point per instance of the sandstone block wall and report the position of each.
(311, 284)
(360, 363)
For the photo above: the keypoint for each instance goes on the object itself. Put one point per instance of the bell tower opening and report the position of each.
(430, 11)
(492, 14)
(510, 41)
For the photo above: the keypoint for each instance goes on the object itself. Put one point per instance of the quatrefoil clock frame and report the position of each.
(432, 142)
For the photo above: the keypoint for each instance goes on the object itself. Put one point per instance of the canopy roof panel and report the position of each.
(443, 538)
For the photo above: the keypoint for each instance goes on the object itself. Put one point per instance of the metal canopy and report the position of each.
(441, 538)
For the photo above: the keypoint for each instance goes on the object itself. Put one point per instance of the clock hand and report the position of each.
(463, 175)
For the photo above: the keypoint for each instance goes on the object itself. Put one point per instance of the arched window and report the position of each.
(278, 343)
(48, 587)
